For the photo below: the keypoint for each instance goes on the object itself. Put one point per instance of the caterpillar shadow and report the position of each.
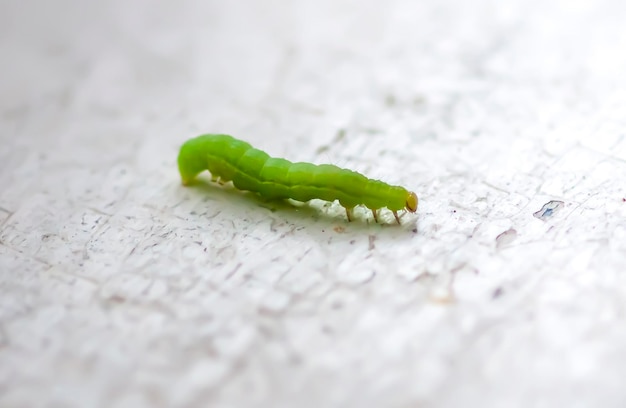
(316, 211)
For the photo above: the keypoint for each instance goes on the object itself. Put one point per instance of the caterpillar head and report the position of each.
(411, 202)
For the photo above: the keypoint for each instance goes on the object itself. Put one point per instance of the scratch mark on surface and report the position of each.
(506, 238)
(341, 134)
(496, 187)
(231, 273)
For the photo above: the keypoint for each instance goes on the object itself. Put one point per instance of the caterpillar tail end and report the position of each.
(187, 175)
(190, 161)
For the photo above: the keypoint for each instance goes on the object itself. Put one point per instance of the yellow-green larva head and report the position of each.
(411, 202)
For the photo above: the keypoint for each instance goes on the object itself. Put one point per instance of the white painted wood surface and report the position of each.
(121, 288)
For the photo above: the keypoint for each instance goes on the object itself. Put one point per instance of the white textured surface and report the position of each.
(120, 288)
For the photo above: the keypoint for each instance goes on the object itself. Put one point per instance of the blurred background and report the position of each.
(121, 288)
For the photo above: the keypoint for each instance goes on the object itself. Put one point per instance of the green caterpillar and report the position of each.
(254, 170)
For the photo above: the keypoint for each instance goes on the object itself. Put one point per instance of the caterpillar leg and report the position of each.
(349, 213)
(395, 214)
(375, 215)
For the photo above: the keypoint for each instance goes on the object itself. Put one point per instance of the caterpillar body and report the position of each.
(230, 159)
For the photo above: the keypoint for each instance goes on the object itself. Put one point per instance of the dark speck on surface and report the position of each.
(497, 293)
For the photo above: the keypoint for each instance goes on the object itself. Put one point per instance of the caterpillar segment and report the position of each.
(230, 159)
